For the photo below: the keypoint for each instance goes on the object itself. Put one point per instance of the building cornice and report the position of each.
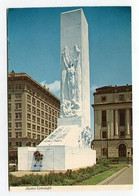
(113, 89)
(23, 76)
(108, 104)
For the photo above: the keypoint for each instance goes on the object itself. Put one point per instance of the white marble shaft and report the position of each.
(75, 81)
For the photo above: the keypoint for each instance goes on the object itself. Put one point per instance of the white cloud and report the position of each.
(53, 87)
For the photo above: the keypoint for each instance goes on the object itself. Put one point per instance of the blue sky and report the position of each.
(34, 45)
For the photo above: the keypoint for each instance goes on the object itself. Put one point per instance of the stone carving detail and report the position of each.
(85, 138)
(58, 135)
(71, 82)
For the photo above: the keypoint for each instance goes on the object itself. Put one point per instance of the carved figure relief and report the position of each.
(71, 82)
(85, 138)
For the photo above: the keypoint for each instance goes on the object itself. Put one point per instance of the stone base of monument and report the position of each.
(62, 150)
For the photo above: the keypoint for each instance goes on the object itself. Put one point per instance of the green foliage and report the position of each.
(68, 178)
(104, 162)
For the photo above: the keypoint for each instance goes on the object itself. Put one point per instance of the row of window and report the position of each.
(38, 128)
(41, 105)
(19, 144)
(41, 120)
(17, 96)
(18, 125)
(34, 136)
(121, 117)
(15, 87)
(18, 106)
(121, 134)
(39, 112)
(120, 98)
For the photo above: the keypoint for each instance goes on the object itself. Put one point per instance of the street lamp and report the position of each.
(107, 141)
(128, 157)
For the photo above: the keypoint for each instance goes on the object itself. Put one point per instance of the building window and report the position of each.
(34, 127)
(46, 115)
(38, 112)
(122, 117)
(18, 87)
(29, 125)
(42, 130)
(42, 105)
(33, 110)
(42, 121)
(38, 137)
(9, 107)
(121, 97)
(33, 101)
(104, 119)
(50, 110)
(18, 144)
(28, 107)
(9, 125)
(29, 116)
(18, 125)
(38, 120)
(9, 96)
(10, 134)
(17, 96)
(104, 151)
(29, 135)
(28, 98)
(38, 129)
(49, 117)
(18, 115)
(122, 134)
(103, 98)
(38, 103)
(18, 134)
(34, 144)
(46, 108)
(42, 114)
(28, 144)
(104, 134)
(46, 123)
(33, 118)
(9, 116)
(18, 106)
(34, 136)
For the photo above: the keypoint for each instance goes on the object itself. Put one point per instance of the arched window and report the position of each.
(122, 150)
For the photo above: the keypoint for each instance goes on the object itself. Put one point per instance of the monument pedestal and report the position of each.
(64, 149)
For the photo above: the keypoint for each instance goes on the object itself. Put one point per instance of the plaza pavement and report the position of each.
(123, 177)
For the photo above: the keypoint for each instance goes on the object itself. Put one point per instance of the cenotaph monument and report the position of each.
(68, 146)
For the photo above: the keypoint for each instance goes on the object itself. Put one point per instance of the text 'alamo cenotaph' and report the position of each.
(68, 146)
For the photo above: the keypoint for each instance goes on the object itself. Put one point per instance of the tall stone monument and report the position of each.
(68, 146)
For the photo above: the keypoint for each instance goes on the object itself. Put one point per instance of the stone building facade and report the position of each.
(32, 112)
(113, 122)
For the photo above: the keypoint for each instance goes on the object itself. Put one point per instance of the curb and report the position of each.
(111, 178)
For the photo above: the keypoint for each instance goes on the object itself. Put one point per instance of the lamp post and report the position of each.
(107, 139)
(128, 157)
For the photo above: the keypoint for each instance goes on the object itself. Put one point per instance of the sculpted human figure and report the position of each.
(71, 79)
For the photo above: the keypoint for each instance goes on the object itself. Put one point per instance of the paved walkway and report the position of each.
(125, 176)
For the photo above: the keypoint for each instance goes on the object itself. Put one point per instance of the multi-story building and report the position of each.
(32, 112)
(113, 122)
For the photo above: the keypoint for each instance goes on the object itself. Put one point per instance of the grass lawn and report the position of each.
(100, 177)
